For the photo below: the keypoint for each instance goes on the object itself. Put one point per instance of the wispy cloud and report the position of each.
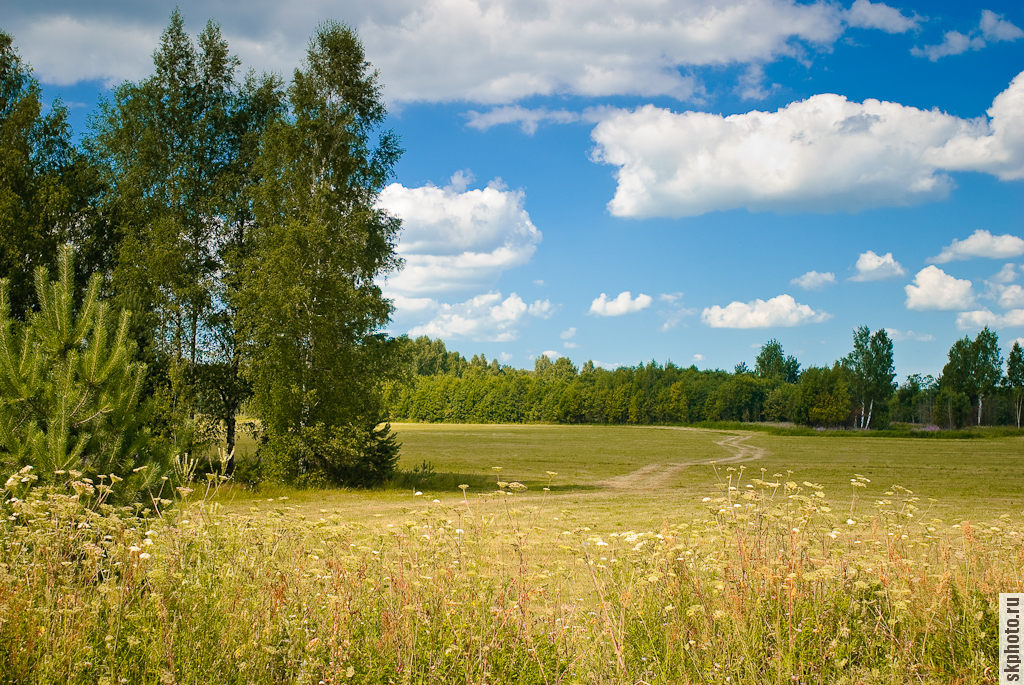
(898, 335)
(814, 280)
(992, 28)
(877, 15)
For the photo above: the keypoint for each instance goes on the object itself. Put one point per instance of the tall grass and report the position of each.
(767, 580)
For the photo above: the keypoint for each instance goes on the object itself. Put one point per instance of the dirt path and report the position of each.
(660, 476)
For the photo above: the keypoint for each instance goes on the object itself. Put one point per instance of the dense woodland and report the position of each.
(857, 391)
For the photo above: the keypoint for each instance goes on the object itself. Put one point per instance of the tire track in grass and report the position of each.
(660, 476)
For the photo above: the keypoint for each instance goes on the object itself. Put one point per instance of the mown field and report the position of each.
(575, 554)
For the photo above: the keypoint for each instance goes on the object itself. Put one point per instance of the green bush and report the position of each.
(321, 455)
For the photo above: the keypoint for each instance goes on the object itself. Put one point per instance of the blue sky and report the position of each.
(626, 181)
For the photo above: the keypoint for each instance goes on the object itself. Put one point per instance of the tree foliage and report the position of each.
(1015, 378)
(311, 308)
(45, 184)
(178, 151)
(873, 371)
(773, 363)
(70, 389)
(974, 367)
(241, 221)
(439, 384)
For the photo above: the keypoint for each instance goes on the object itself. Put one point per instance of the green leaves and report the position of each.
(239, 220)
(1015, 377)
(309, 309)
(974, 367)
(871, 362)
(70, 392)
(45, 183)
(772, 363)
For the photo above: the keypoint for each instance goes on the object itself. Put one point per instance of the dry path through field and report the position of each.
(659, 476)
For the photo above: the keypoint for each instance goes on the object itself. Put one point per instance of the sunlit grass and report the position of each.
(755, 572)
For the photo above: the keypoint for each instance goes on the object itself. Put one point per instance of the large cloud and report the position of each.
(487, 317)
(824, 153)
(933, 288)
(454, 239)
(434, 50)
(781, 310)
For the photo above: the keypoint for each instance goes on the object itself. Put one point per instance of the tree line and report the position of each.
(857, 391)
(234, 216)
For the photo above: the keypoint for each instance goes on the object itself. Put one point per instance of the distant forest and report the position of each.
(857, 391)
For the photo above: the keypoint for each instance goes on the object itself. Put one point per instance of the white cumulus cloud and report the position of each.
(825, 153)
(568, 333)
(623, 303)
(1007, 274)
(456, 239)
(781, 310)
(933, 288)
(814, 280)
(981, 243)
(1003, 290)
(874, 267)
(489, 317)
(878, 15)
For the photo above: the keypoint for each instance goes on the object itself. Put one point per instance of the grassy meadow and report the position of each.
(573, 554)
